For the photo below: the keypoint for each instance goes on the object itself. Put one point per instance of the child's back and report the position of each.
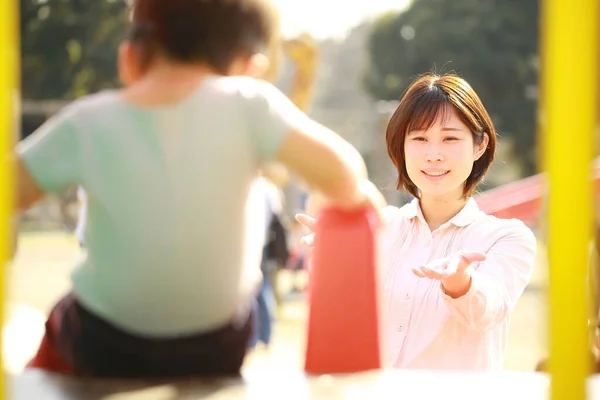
(173, 242)
(166, 190)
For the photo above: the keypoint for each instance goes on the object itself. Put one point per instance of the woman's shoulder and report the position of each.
(503, 229)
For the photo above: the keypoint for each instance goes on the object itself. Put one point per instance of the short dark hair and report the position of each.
(425, 99)
(210, 31)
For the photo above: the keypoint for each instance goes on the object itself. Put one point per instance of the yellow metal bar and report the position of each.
(9, 95)
(569, 69)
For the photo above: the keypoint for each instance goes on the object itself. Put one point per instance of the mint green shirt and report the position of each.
(173, 246)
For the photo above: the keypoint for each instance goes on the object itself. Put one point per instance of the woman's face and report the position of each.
(440, 159)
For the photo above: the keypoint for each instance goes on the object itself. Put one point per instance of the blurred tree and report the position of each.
(69, 46)
(68, 49)
(491, 43)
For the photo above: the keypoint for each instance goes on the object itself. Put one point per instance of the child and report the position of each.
(172, 263)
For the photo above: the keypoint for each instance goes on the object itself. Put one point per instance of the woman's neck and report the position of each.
(437, 210)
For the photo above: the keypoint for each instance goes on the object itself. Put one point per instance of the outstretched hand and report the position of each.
(452, 271)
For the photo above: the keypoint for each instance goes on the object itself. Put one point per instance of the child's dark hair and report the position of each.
(215, 32)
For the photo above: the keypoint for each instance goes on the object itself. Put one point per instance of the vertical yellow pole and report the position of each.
(9, 84)
(569, 69)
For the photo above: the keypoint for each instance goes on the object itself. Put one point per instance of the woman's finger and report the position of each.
(469, 257)
(417, 271)
(432, 273)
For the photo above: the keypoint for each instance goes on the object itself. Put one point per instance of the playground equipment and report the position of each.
(9, 100)
(344, 331)
(526, 199)
(303, 53)
(568, 112)
(569, 71)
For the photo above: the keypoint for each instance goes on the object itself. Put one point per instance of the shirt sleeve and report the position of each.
(273, 117)
(499, 281)
(51, 153)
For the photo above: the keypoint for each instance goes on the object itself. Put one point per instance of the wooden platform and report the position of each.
(388, 384)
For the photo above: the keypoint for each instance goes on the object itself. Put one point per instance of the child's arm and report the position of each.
(26, 193)
(27, 190)
(47, 161)
(325, 161)
(316, 201)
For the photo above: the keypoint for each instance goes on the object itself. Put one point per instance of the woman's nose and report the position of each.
(434, 154)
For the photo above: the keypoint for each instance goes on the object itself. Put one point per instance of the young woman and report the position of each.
(452, 274)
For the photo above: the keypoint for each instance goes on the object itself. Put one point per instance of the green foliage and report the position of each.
(69, 46)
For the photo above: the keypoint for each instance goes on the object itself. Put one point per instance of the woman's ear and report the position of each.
(482, 147)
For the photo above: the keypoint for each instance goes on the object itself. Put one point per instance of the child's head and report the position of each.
(228, 36)
(441, 138)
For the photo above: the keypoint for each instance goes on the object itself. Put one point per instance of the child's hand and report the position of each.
(309, 222)
(369, 196)
(452, 271)
(372, 198)
(308, 240)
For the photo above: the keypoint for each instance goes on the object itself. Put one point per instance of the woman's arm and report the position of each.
(499, 281)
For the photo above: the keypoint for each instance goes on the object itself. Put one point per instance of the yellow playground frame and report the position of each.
(568, 116)
(9, 101)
